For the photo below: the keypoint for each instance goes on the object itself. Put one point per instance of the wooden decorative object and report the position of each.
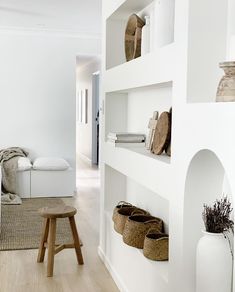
(152, 126)
(168, 147)
(162, 133)
(133, 37)
(226, 87)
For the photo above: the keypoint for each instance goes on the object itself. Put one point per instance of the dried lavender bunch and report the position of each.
(217, 217)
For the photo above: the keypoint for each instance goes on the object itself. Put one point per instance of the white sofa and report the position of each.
(45, 181)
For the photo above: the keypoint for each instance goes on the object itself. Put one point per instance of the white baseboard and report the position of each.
(84, 158)
(121, 286)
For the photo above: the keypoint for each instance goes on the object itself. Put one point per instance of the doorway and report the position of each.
(87, 108)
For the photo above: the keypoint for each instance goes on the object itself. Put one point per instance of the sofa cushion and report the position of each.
(24, 164)
(50, 163)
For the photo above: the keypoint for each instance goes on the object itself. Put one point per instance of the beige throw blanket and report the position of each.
(9, 164)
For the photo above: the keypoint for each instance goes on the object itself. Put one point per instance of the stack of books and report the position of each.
(126, 139)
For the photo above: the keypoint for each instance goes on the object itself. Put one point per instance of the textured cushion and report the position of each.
(24, 163)
(50, 163)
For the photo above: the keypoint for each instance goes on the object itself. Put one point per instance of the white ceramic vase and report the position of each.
(164, 22)
(213, 264)
(145, 40)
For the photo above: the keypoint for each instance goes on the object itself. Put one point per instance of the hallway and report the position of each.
(19, 271)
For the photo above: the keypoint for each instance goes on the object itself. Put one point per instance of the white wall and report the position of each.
(38, 90)
(140, 109)
(144, 198)
(84, 81)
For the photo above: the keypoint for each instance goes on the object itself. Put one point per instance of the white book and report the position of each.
(125, 135)
(127, 140)
(126, 145)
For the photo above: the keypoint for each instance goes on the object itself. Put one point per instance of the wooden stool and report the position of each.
(50, 215)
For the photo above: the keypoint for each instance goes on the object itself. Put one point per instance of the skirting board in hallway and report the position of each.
(84, 158)
(112, 271)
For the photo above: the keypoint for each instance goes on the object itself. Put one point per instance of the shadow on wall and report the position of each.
(206, 181)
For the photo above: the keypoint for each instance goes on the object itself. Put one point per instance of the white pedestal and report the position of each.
(49, 183)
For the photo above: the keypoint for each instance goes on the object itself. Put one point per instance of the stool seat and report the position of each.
(58, 212)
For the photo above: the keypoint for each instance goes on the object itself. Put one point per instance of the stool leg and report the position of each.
(76, 240)
(51, 247)
(42, 249)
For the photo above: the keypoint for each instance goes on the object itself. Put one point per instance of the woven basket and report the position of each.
(156, 246)
(121, 204)
(137, 226)
(123, 214)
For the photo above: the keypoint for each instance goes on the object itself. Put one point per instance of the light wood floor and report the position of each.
(19, 271)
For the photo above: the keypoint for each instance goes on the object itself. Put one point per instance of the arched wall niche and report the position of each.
(206, 181)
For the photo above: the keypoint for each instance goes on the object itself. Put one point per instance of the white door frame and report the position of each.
(95, 110)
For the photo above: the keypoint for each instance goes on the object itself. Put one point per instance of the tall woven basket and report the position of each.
(156, 246)
(122, 216)
(137, 226)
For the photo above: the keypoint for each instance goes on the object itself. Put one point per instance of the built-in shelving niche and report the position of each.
(130, 111)
(145, 274)
(206, 181)
(162, 14)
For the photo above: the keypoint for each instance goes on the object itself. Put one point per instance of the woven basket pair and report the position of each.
(121, 213)
(156, 246)
(137, 227)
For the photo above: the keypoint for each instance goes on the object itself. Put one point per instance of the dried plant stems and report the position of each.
(217, 217)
